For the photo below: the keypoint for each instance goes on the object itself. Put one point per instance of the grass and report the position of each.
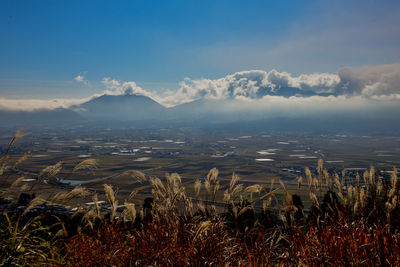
(352, 219)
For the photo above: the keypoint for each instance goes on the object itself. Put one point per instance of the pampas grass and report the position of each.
(13, 185)
(130, 210)
(34, 202)
(256, 188)
(18, 134)
(338, 183)
(299, 182)
(96, 205)
(4, 162)
(234, 180)
(110, 194)
(51, 171)
(202, 228)
(308, 176)
(88, 164)
(197, 187)
(136, 175)
(76, 192)
(314, 199)
(21, 159)
(212, 175)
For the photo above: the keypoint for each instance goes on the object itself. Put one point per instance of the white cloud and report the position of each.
(370, 82)
(38, 104)
(296, 105)
(115, 87)
(318, 82)
(80, 79)
(251, 84)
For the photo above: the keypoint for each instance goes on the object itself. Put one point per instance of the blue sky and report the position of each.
(46, 44)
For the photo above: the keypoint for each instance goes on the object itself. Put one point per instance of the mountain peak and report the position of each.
(125, 107)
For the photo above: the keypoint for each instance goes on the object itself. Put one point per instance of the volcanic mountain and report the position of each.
(121, 108)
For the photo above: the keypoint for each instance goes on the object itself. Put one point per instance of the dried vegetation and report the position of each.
(353, 220)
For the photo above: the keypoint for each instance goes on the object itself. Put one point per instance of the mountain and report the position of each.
(206, 111)
(197, 109)
(103, 109)
(56, 117)
(142, 111)
(122, 108)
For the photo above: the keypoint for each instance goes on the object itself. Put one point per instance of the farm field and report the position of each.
(261, 158)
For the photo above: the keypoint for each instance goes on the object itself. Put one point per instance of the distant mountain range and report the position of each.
(143, 111)
(39, 118)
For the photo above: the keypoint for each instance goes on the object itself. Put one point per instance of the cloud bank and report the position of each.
(253, 84)
(39, 104)
(375, 82)
(258, 89)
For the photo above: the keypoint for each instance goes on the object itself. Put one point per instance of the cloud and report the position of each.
(80, 79)
(38, 104)
(259, 89)
(316, 105)
(253, 84)
(317, 82)
(115, 87)
(372, 81)
(335, 33)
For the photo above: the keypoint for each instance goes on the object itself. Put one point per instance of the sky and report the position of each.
(73, 50)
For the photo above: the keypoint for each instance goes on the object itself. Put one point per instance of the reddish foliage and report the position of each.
(162, 243)
(110, 246)
(345, 244)
(175, 244)
(179, 243)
